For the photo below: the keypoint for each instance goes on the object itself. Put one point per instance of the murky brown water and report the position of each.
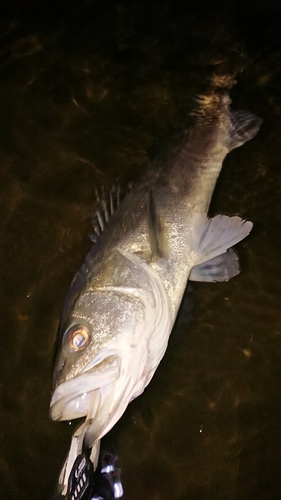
(89, 92)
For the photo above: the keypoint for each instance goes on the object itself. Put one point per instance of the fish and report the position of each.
(124, 300)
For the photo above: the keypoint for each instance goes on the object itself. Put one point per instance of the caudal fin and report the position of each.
(243, 127)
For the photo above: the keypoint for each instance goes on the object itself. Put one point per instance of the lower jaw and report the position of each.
(97, 406)
(78, 407)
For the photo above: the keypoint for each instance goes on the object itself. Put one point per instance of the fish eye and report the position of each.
(77, 338)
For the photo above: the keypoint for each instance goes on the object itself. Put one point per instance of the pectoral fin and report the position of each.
(221, 268)
(213, 237)
(157, 235)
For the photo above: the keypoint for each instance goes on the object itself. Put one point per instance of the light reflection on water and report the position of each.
(87, 97)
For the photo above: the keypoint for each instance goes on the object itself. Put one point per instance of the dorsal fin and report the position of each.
(108, 200)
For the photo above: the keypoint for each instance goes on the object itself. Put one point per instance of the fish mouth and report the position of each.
(86, 393)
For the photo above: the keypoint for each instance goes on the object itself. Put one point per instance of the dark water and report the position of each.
(89, 92)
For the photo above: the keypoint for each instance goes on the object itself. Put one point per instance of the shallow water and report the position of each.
(89, 93)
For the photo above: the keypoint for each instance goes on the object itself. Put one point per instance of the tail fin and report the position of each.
(243, 127)
(215, 101)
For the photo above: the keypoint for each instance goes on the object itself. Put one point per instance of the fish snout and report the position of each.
(58, 373)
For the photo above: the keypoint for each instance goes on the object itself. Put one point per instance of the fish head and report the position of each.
(114, 331)
(93, 375)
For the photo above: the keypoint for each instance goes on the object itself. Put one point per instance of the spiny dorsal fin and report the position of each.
(108, 200)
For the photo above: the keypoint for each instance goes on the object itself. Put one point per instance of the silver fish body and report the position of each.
(123, 302)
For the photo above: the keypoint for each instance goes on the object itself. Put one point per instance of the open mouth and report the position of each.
(82, 395)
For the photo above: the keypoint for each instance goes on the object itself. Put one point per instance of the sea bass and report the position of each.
(124, 300)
